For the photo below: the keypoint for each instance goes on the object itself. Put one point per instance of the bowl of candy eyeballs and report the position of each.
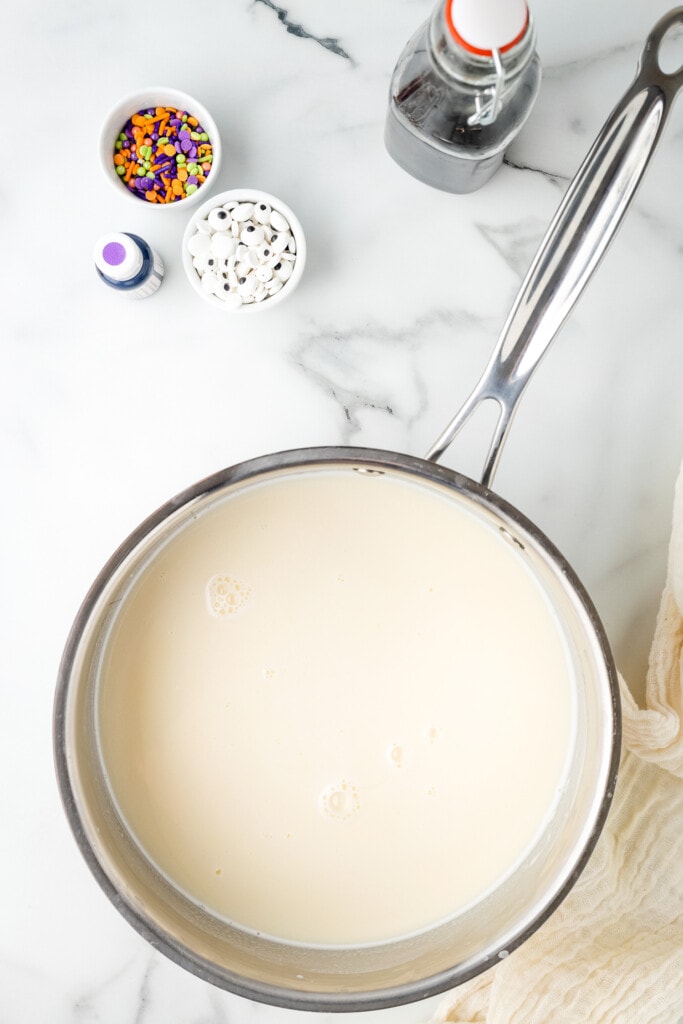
(161, 146)
(244, 251)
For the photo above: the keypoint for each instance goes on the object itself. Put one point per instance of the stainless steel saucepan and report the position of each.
(411, 969)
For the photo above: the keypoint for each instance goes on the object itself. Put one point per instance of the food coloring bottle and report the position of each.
(125, 262)
(461, 91)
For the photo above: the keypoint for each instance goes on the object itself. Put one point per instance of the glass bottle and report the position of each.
(461, 91)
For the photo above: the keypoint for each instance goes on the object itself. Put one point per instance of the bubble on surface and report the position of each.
(226, 595)
(340, 800)
(396, 755)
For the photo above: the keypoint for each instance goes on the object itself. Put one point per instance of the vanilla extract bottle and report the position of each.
(461, 91)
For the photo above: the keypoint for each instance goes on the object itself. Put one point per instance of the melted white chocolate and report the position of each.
(337, 708)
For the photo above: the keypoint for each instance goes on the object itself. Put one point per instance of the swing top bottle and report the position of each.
(461, 91)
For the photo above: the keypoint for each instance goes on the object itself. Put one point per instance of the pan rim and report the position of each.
(155, 934)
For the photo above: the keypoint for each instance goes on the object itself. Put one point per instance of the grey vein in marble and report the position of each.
(333, 361)
(327, 42)
(516, 243)
(551, 176)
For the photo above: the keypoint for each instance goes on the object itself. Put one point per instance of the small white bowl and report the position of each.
(156, 96)
(239, 196)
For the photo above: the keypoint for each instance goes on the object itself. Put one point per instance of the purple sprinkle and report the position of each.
(192, 179)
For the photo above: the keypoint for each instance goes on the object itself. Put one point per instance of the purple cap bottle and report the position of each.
(126, 263)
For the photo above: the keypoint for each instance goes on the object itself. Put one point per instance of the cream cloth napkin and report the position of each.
(613, 951)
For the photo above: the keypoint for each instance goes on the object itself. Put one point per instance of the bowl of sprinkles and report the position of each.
(244, 251)
(160, 146)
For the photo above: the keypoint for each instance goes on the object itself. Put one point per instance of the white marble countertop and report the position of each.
(109, 407)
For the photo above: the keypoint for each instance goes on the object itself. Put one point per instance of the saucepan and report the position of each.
(128, 620)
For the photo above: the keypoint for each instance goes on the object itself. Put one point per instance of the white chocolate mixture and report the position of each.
(337, 708)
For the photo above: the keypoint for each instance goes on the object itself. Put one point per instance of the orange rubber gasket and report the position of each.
(473, 49)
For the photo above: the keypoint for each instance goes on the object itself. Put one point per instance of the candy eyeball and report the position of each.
(243, 252)
(219, 219)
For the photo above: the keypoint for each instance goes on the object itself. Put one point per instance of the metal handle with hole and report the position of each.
(585, 223)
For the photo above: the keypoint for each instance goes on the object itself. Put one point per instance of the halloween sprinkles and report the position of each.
(162, 154)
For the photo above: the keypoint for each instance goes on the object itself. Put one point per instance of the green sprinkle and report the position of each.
(195, 136)
(180, 158)
(189, 189)
(118, 144)
(150, 174)
(120, 170)
(204, 137)
(140, 171)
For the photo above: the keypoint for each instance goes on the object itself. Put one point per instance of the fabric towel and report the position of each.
(613, 951)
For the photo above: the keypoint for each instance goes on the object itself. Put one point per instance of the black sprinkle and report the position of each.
(222, 214)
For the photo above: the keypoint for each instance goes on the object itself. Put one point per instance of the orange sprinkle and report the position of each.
(168, 180)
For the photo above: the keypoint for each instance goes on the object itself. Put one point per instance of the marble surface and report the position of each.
(110, 407)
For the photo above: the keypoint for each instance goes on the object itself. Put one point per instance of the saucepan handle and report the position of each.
(579, 234)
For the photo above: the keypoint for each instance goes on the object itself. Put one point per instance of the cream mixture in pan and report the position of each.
(337, 708)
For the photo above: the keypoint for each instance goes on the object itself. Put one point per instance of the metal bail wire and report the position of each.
(487, 112)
